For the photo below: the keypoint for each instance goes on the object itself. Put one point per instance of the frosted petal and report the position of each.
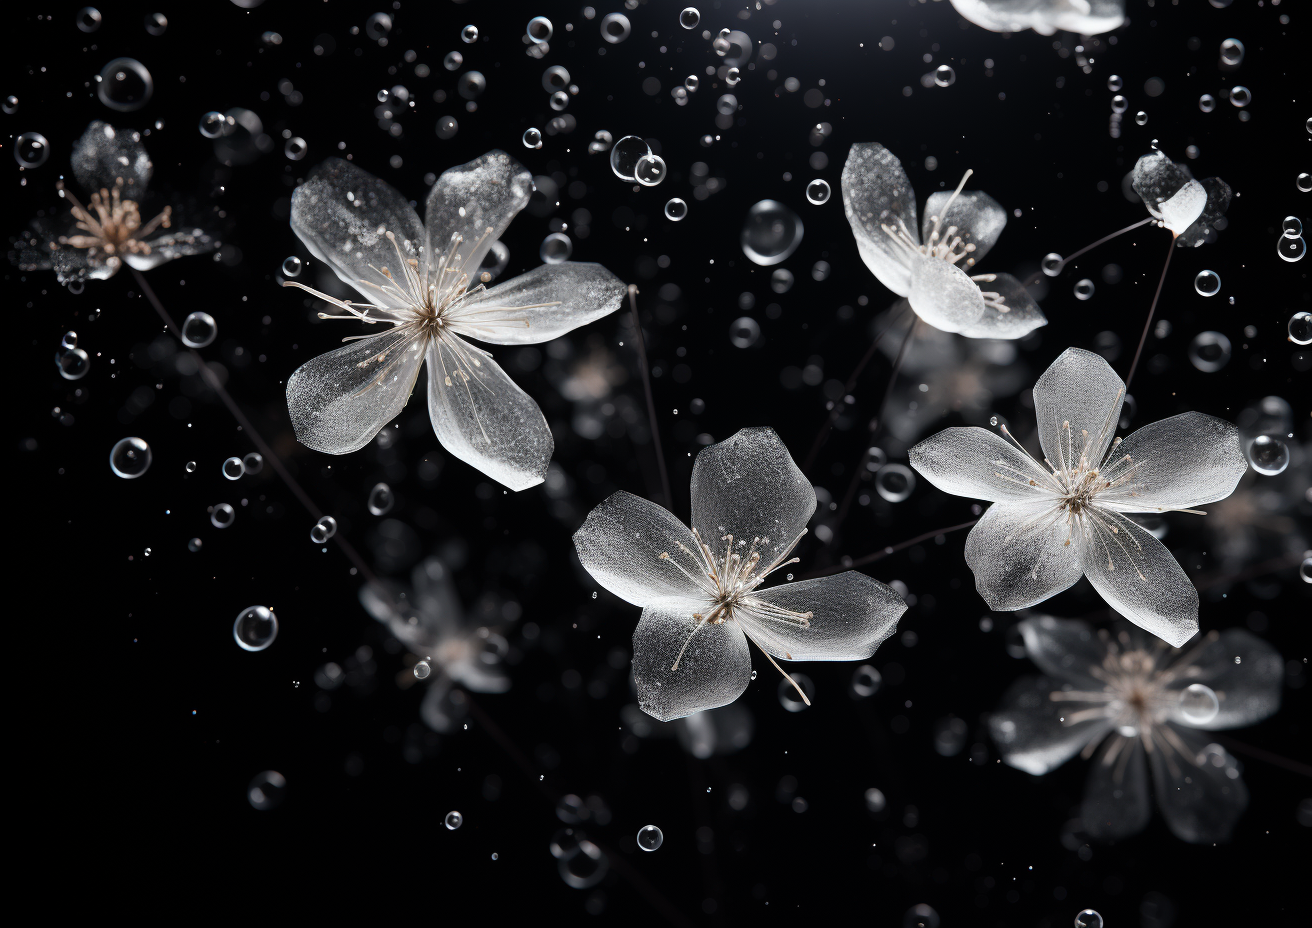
(714, 668)
(973, 216)
(1065, 649)
(1204, 227)
(1084, 17)
(944, 295)
(851, 615)
(876, 192)
(1182, 210)
(978, 464)
(1029, 731)
(435, 597)
(342, 214)
(1019, 555)
(1198, 786)
(1178, 463)
(1080, 388)
(482, 417)
(1116, 796)
(104, 155)
(1168, 191)
(621, 543)
(477, 201)
(747, 486)
(339, 400)
(1017, 316)
(541, 305)
(1244, 671)
(1139, 578)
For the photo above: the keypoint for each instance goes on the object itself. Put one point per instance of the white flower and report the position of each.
(1051, 525)
(424, 283)
(699, 588)
(1190, 208)
(959, 229)
(1086, 17)
(1140, 701)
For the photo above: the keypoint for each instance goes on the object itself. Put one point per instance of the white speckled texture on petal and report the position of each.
(714, 668)
(477, 201)
(852, 614)
(1140, 579)
(944, 295)
(1081, 388)
(978, 464)
(876, 192)
(973, 215)
(541, 305)
(1020, 556)
(1017, 317)
(1178, 463)
(621, 543)
(103, 155)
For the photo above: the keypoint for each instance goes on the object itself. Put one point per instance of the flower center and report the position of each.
(112, 226)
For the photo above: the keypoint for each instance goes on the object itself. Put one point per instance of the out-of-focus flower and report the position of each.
(703, 734)
(425, 284)
(1148, 706)
(94, 240)
(959, 229)
(428, 619)
(1086, 17)
(1052, 525)
(1189, 208)
(702, 605)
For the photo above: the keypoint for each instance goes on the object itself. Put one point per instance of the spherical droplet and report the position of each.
(446, 127)
(10, 105)
(130, 458)
(1240, 95)
(454, 819)
(865, 681)
(381, 499)
(781, 281)
(555, 248)
(1207, 103)
(1232, 52)
(291, 266)
(422, 670)
(1207, 283)
(1198, 704)
(732, 77)
(789, 698)
(1291, 248)
(532, 138)
(253, 463)
(199, 329)
(770, 233)
(1291, 226)
(195, 545)
(1083, 289)
(31, 150)
(689, 17)
(539, 29)
(817, 192)
(1268, 455)
(125, 85)
(1304, 182)
(559, 100)
(469, 34)
(266, 790)
(1052, 264)
(744, 332)
(1114, 83)
(1089, 918)
(1141, 118)
(625, 155)
(255, 628)
(156, 23)
(615, 28)
(727, 105)
(676, 209)
(1209, 351)
(875, 800)
(295, 148)
(222, 515)
(470, 84)
(920, 916)
(73, 363)
(212, 124)
(190, 467)
(894, 482)
(691, 83)
(453, 61)
(1300, 328)
(944, 76)
(378, 26)
(1120, 104)
(650, 837)
(233, 468)
(88, 19)
(650, 170)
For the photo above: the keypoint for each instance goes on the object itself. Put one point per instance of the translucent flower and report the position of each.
(1052, 525)
(425, 286)
(702, 604)
(94, 241)
(959, 229)
(1147, 706)
(1190, 208)
(1086, 17)
(428, 619)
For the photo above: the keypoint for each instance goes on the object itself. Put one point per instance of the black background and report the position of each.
(139, 723)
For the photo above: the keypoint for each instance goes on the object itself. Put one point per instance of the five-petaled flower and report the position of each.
(1148, 706)
(1192, 209)
(1050, 525)
(1085, 17)
(95, 240)
(700, 588)
(425, 283)
(959, 229)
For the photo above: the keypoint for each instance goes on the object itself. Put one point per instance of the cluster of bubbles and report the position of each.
(73, 362)
(324, 529)
(631, 159)
(266, 790)
(234, 468)
(255, 628)
(1291, 245)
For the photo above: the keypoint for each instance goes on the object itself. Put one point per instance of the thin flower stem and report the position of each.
(651, 403)
(1239, 747)
(1065, 262)
(261, 445)
(885, 552)
(822, 435)
(1149, 321)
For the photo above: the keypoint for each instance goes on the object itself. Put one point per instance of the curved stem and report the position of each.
(1149, 321)
(651, 403)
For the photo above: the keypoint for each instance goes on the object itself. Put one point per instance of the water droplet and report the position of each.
(1291, 248)
(626, 154)
(744, 332)
(212, 124)
(1114, 83)
(1300, 329)
(615, 28)
(689, 17)
(732, 77)
(539, 29)
(1052, 264)
(650, 837)
(770, 233)
(555, 248)
(1268, 455)
(993, 421)
(470, 84)
(1305, 570)
(469, 34)
(156, 23)
(1198, 704)
(584, 868)
(190, 467)
(125, 85)
(233, 468)
(817, 192)
(1141, 118)
(865, 681)
(894, 482)
(781, 281)
(1240, 95)
(1207, 283)
(788, 696)
(1291, 226)
(691, 83)
(454, 819)
(381, 499)
(1207, 103)
(31, 149)
(559, 100)
(676, 209)
(295, 148)
(727, 105)
(721, 45)
(1083, 289)
(650, 170)
(324, 529)
(266, 790)
(1232, 52)
(1304, 182)
(920, 916)
(73, 363)
(602, 142)
(194, 545)
(130, 458)
(10, 105)
(1089, 918)
(875, 800)
(88, 19)
(532, 138)
(222, 516)
(422, 670)
(378, 26)
(453, 61)
(199, 329)
(291, 266)
(944, 76)
(1209, 351)
(253, 462)
(255, 628)
(447, 127)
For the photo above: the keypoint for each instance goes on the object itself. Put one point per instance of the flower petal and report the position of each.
(435, 597)
(1066, 649)
(342, 214)
(944, 295)
(1169, 191)
(340, 400)
(1199, 788)
(1116, 803)
(1204, 227)
(621, 543)
(714, 667)
(482, 417)
(476, 201)
(747, 486)
(104, 155)
(1078, 394)
(1178, 463)
(1029, 731)
(1244, 671)
(1138, 577)
(851, 615)
(972, 215)
(1020, 556)
(177, 244)
(876, 192)
(541, 305)
(978, 464)
(1017, 316)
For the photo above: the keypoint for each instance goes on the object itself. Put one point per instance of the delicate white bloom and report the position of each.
(1142, 702)
(1051, 525)
(428, 619)
(959, 229)
(1086, 17)
(699, 588)
(1190, 208)
(424, 283)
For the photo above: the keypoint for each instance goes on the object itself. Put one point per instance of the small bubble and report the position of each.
(1232, 52)
(73, 363)
(615, 28)
(253, 462)
(1120, 104)
(266, 790)
(865, 681)
(732, 77)
(1240, 95)
(650, 837)
(1304, 182)
(223, 515)
(689, 17)
(88, 19)
(1300, 328)
(1052, 264)
(625, 155)
(1207, 283)
(447, 127)
(788, 695)
(691, 83)
(454, 819)
(199, 329)
(1141, 118)
(875, 800)
(453, 61)
(744, 332)
(212, 124)
(993, 421)
(469, 35)
(422, 670)
(817, 192)
(130, 458)
(1083, 289)
(1209, 351)
(190, 467)
(324, 529)
(1291, 248)
(944, 76)
(650, 170)
(194, 545)
(555, 248)
(295, 149)
(1291, 227)
(31, 150)
(894, 482)
(532, 138)
(255, 628)
(1089, 918)
(156, 23)
(1207, 103)
(676, 209)
(1198, 704)
(233, 468)
(1268, 455)
(124, 85)
(539, 29)
(378, 26)
(1114, 83)
(559, 100)
(381, 499)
